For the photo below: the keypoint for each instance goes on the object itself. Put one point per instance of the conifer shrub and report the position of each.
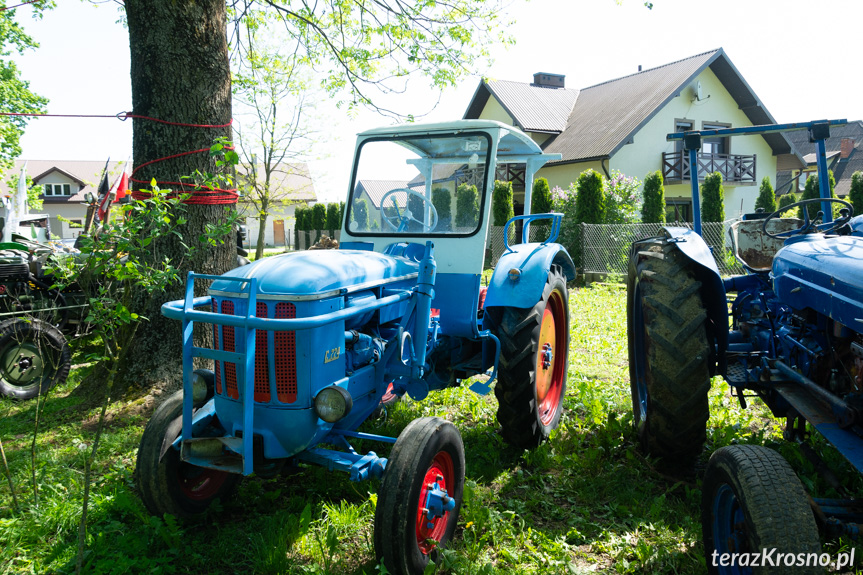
(713, 199)
(653, 210)
(766, 197)
(466, 206)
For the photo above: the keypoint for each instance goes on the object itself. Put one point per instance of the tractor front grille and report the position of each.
(285, 355)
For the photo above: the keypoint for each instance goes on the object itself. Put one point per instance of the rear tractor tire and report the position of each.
(167, 484)
(34, 357)
(534, 359)
(426, 467)
(668, 354)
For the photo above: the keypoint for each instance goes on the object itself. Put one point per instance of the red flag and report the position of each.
(122, 189)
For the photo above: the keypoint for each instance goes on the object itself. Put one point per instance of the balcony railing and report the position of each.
(733, 167)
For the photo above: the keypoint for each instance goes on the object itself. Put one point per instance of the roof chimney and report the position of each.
(548, 80)
(846, 147)
(639, 67)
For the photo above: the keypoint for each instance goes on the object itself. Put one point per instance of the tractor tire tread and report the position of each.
(518, 331)
(775, 503)
(677, 352)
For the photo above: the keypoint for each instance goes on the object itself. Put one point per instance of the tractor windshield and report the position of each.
(419, 185)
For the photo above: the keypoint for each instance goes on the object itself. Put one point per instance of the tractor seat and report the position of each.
(753, 248)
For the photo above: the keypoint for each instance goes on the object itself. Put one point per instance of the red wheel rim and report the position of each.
(550, 372)
(441, 467)
(200, 483)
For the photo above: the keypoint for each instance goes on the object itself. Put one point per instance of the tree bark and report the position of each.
(262, 231)
(180, 73)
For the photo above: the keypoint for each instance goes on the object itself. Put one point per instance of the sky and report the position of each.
(796, 56)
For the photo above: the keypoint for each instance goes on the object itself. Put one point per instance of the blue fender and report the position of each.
(695, 249)
(533, 262)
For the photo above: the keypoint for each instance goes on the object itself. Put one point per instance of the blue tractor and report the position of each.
(307, 344)
(789, 332)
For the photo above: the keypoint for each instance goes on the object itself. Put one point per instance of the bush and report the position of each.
(300, 215)
(466, 206)
(590, 199)
(653, 209)
(564, 201)
(713, 206)
(361, 214)
(622, 200)
(442, 200)
(334, 222)
(766, 197)
(540, 201)
(855, 196)
(417, 208)
(501, 203)
(319, 218)
(811, 191)
(787, 200)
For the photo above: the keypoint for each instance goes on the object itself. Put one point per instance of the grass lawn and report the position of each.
(586, 501)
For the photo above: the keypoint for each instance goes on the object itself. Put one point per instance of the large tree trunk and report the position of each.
(180, 73)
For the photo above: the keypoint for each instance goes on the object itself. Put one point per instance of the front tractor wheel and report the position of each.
(752, 504)
(420, 496)
(167, 484)
(34, 357)
(533, 363)
(668, 354)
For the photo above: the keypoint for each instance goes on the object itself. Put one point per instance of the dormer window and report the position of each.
(57, 190)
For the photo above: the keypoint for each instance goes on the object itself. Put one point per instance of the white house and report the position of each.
(622, 125)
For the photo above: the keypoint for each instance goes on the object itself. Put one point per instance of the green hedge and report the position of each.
(713, 199)
(766, 197)
(442, 201)
(501, 203)
(653, 209)
(466, 206)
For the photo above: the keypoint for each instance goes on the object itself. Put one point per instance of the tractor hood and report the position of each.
(318, 273)
(823, 274)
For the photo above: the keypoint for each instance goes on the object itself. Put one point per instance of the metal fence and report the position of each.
(605, 248)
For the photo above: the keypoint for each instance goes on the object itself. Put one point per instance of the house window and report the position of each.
(58, 190)
(714, 145)
(680, 211)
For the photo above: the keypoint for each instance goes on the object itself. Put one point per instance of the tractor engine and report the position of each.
(809, 317)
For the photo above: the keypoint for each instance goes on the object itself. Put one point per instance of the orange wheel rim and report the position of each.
(550, 358)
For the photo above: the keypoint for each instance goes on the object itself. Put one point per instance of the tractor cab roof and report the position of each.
(512, 142)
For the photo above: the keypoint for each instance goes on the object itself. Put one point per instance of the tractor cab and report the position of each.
(433, 182)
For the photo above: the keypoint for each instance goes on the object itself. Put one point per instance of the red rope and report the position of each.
(199, 195)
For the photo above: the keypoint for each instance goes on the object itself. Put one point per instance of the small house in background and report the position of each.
(844, 157)
(64, 185)
(291, 185)
(622, 125)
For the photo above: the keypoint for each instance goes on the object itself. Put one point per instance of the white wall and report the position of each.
(644, 155)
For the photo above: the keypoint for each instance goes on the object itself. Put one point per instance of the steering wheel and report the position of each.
(400, 220)
(811, 225)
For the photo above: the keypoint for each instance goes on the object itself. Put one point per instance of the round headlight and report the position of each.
(333, 403)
